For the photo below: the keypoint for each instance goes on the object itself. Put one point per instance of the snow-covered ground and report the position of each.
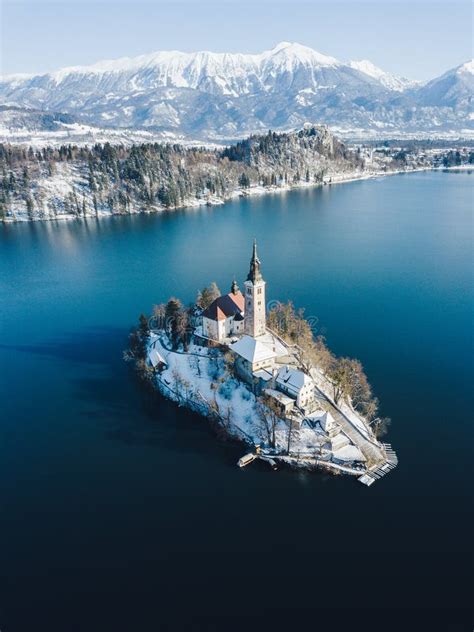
(198, 379)
(87, 135)
(49, 194)
(325, 386)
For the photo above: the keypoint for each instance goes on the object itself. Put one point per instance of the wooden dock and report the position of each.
(390, 464)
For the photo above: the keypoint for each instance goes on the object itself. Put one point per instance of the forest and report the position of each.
(83, 181)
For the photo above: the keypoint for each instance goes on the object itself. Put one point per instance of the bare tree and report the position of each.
(320, 354)
(269, 415)
(337, 376)
(187, 386)
(380, 426)
(177, 381)
(227, 417)
(143, 369)
(159, 315)
(229, 363)
(214, 409)
(207, 295)
(289, 422)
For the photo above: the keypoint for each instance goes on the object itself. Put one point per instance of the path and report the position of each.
(372, 452)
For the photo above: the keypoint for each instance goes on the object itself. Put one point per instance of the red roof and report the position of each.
(227, 305)
(238, 299)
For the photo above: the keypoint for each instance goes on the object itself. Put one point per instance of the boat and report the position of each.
(246, 459)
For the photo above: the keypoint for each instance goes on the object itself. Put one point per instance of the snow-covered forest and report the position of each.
(73, 182)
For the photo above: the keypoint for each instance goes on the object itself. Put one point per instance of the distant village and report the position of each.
(222, 359)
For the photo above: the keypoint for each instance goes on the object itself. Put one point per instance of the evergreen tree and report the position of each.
(172, 312)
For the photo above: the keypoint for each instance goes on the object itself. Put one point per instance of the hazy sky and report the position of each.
(417, 39)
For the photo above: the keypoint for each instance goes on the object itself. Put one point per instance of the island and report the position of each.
(262, 378)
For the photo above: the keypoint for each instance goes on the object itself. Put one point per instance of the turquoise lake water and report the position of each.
(121, 511)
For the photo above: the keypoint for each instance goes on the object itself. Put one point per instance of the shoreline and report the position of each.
(238, 193)
(183, 377)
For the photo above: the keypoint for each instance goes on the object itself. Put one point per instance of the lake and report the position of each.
(121, 511)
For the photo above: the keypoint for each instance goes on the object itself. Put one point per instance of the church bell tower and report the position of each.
(254, 321)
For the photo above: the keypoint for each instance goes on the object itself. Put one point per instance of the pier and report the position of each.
(379, 471)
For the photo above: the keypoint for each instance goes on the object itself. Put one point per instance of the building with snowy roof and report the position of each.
(281, 401)
(251, 355)
(298, 385)
(156, 360)
(322, 421)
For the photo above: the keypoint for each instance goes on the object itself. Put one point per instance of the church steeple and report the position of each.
(254, 317)
(255, 273)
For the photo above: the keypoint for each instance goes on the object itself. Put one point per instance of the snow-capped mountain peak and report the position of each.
(468, 67)
(388, 80)
(228, 95)
(297, 53)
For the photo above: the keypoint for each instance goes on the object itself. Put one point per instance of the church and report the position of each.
(238, 321)
(235, 314)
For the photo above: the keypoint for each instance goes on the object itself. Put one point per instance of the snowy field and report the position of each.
(198, 379)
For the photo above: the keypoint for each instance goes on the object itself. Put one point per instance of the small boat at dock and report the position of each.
(246, 459)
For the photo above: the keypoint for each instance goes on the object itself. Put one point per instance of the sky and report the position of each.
(417, 39)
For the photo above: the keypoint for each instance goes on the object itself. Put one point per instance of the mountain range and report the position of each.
(222, 96)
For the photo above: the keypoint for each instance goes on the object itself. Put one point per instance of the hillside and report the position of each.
(73, 181)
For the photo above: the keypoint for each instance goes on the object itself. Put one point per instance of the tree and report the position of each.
(361, 392)
(159, 315)
(227, 417)
(289, 422)
(3, 208)
(26, 179)
(346, 375)
(214, 410)
(208, 295)
(229, 363)
(269, 415)
(292, 327)
(172, 310)
(144, 328)
(321, 356)
(29, 206)
(143, 369)
(177, 383)
(340, 374)
(380, 426)
(183, 328)
(137, 345)
(244, 181)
